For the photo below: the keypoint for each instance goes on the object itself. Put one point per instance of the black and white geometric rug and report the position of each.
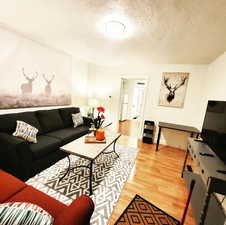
(109, 176)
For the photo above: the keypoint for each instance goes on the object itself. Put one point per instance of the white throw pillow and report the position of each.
(77, 119)
(23, 213)
(26, 131)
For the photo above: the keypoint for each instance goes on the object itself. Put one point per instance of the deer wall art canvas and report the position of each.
(173, 89)
(32, 74)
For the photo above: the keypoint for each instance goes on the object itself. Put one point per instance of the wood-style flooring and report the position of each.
(155, 177)
(130, 127)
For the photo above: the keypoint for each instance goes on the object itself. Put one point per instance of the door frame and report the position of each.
(146, 90)
(120, 98)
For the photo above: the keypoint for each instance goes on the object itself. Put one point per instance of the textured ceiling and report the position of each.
(159, 31)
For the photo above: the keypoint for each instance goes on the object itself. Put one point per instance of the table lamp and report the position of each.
(93, 102)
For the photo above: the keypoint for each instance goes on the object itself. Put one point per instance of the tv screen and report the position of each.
(214, 128)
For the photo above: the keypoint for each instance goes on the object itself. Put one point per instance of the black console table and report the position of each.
(172, 126)
(209, 173)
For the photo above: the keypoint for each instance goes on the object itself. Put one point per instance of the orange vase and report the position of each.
(100, 135)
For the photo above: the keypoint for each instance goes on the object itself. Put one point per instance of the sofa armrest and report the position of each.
(87, 121)
(78, 213)
(15, 155)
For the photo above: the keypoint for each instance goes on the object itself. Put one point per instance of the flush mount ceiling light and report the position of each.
(115, 29)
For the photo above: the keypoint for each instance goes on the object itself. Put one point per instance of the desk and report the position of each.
(172, 126)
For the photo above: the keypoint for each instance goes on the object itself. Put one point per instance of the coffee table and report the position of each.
(89, 151)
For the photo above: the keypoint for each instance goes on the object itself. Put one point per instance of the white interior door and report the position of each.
(137, 101)
(123, 102)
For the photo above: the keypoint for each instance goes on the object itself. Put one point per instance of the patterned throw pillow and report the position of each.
(77, 119)
(26, 131)
(23, 213)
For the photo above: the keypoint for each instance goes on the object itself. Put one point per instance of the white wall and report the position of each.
(216, 83)
(80, 71)
(106, 81)
(216, 79)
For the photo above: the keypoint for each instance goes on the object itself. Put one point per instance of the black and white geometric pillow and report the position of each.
(77, 119)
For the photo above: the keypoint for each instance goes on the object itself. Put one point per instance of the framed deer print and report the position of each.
(173, 89)
(33, 75)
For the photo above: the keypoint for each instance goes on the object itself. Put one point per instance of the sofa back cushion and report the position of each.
(50, 120)
(66, 115)
(8, 121)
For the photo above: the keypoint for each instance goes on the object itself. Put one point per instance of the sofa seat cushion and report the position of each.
(32, 195)
(50, 120)
(69, 134)
(44, 146)
(10, 185)
(66, 115)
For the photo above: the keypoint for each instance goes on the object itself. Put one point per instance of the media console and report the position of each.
(209, 173)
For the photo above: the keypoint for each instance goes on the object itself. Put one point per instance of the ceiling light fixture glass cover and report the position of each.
(115, 29)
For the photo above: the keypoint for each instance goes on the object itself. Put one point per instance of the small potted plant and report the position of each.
(97, 124)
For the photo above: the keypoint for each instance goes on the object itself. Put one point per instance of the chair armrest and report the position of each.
(87, 121)
(78, 213)
(15, 154)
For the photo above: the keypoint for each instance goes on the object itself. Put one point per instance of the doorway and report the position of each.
(132, 99)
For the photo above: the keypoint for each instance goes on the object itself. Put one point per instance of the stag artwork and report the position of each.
(173, 87)
(26, 88)
(48, 89)
(169, 93)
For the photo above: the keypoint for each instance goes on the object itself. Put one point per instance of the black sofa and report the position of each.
(23, 159)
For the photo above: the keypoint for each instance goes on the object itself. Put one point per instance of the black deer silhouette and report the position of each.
(26, 88)
(172, 88)
(48, 89)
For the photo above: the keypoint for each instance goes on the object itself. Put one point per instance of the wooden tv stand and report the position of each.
(210, 186)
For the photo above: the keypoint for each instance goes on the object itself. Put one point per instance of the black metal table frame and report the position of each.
(90, 165)
(173, 128)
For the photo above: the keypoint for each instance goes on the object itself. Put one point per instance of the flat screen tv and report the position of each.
(214, 128)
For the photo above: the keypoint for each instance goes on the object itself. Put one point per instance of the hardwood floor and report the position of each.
(155, 177)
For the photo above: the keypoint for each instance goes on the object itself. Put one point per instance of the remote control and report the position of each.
(199, 140)
(221, 171)
(206, 154)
